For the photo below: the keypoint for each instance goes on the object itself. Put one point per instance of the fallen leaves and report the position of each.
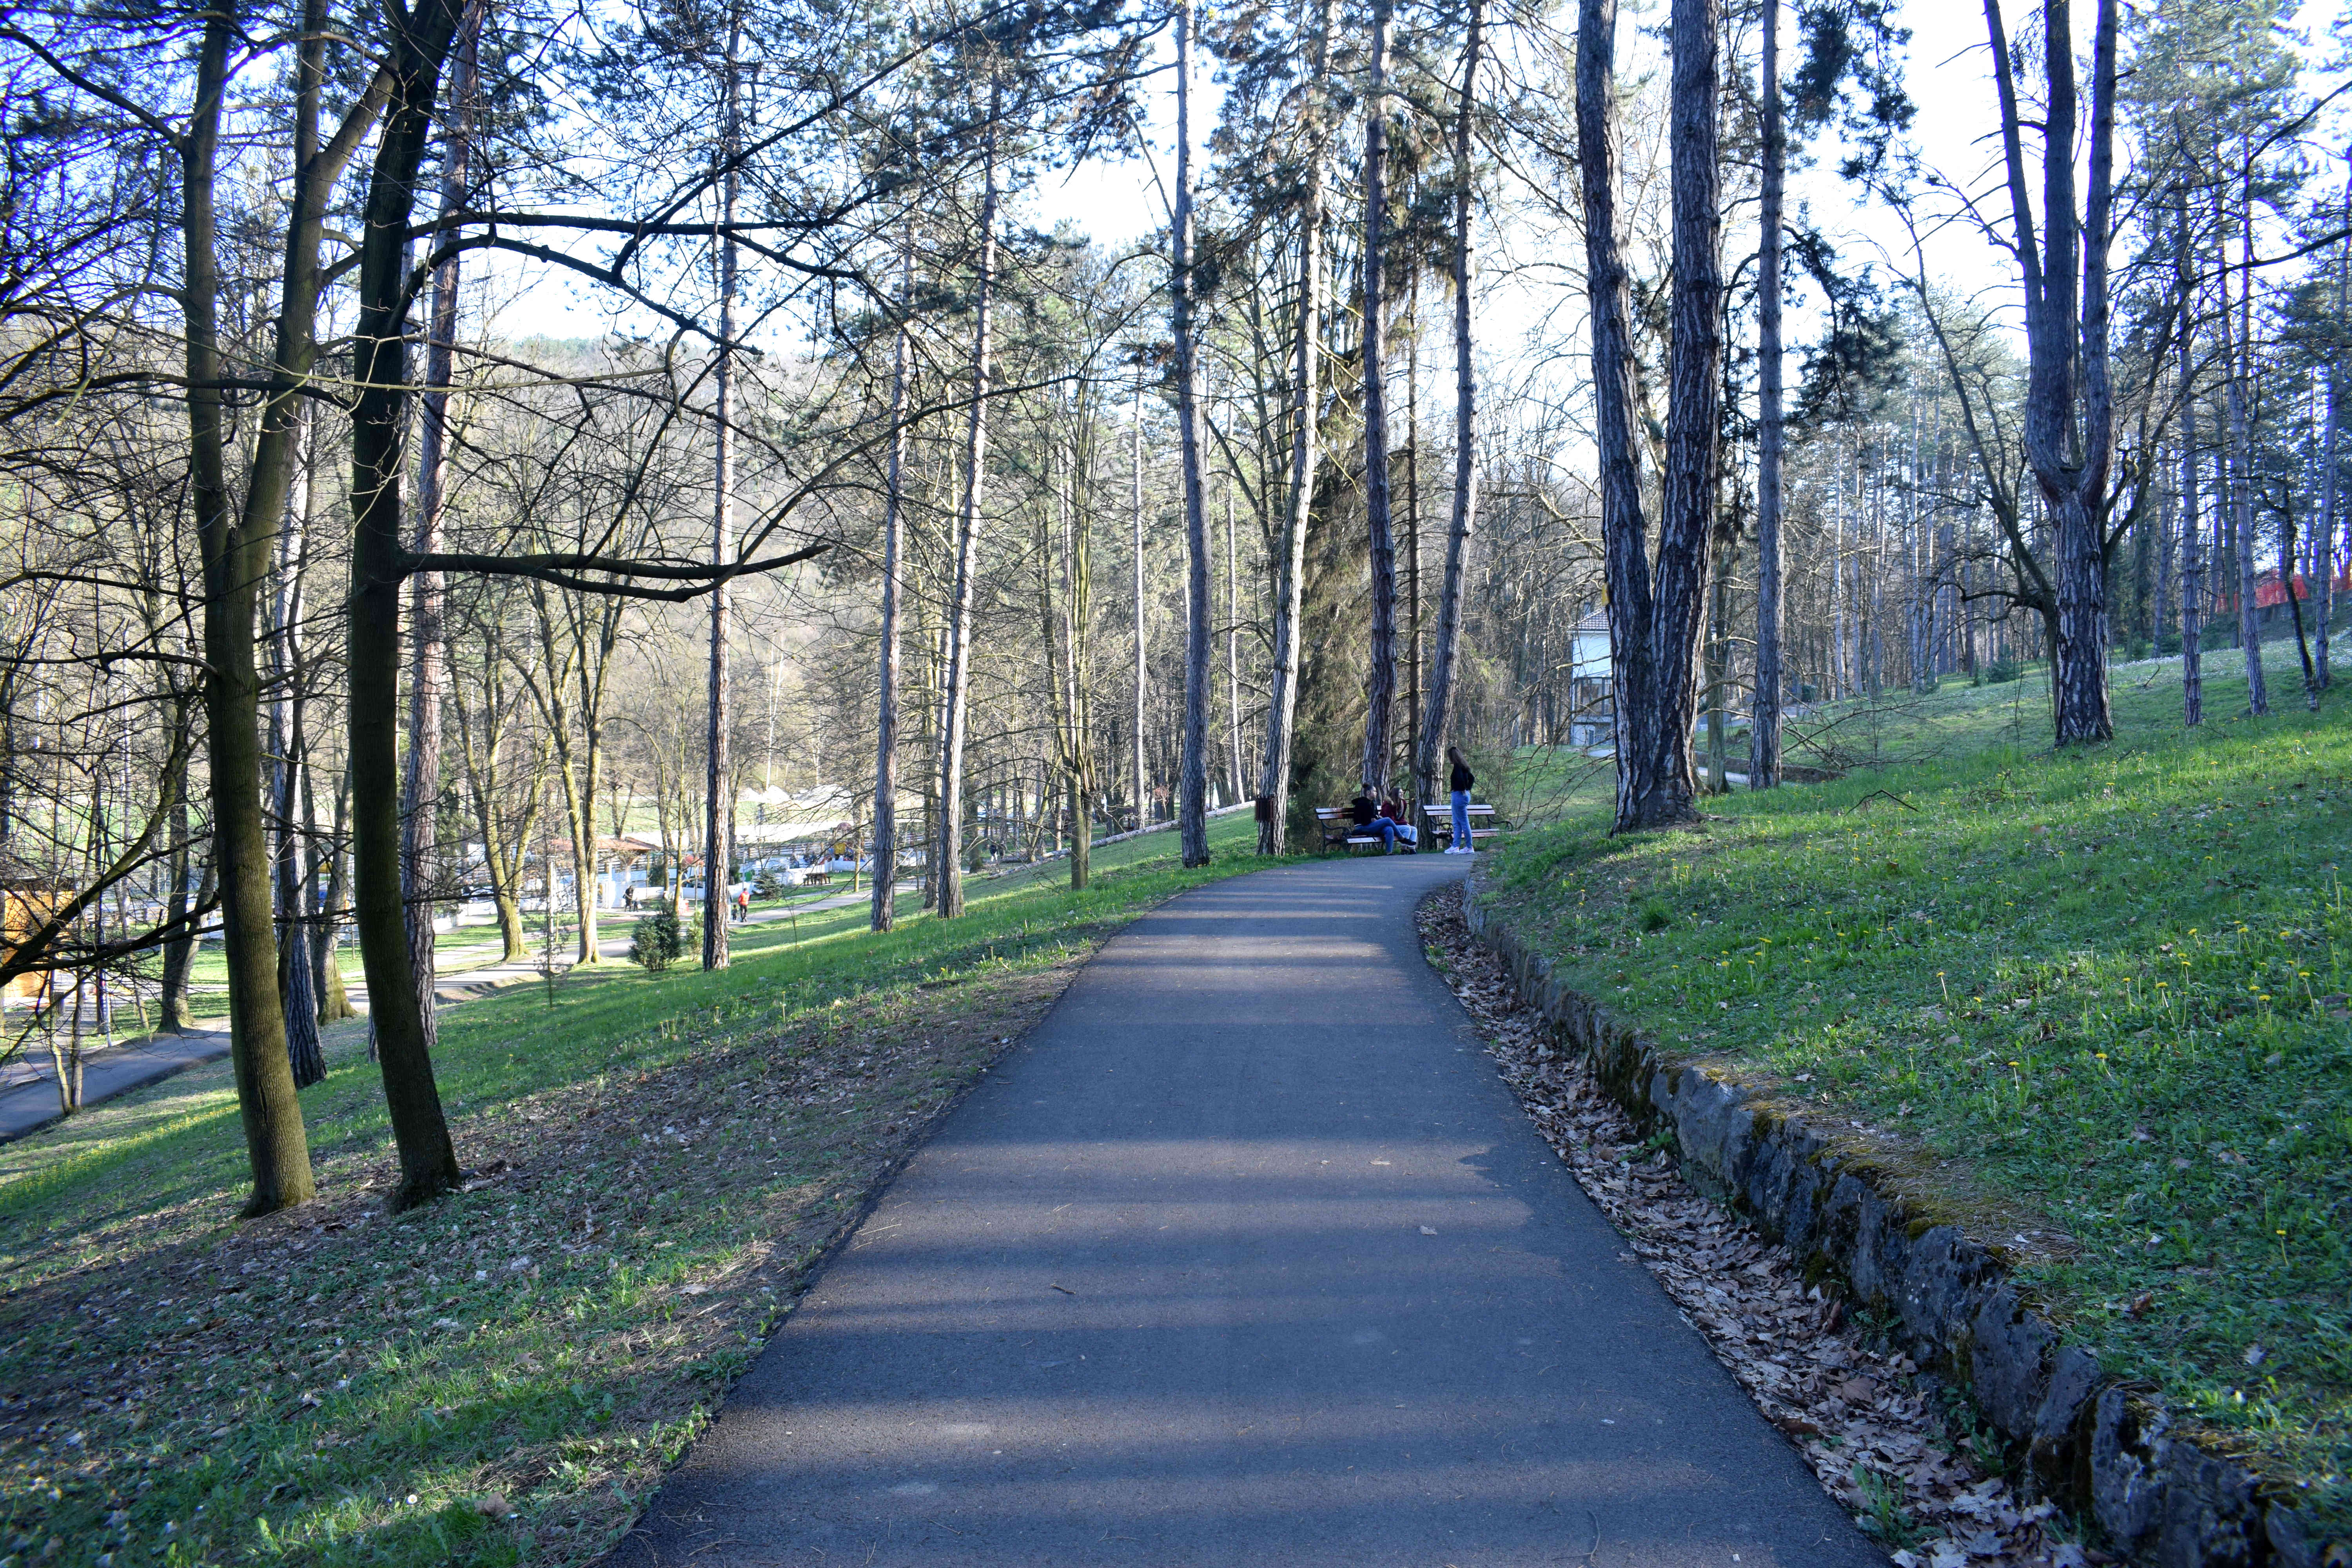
(1857, 1413)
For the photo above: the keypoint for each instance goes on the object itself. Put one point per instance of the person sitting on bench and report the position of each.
(1394, 808)
(1369, 817)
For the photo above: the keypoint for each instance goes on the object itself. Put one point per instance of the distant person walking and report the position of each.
(1460, 784)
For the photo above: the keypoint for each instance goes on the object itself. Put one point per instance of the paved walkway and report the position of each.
(1244, 1255)
(29, 1102)
(28, 1085)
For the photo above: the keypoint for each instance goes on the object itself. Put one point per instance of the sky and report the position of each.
(1118, 204)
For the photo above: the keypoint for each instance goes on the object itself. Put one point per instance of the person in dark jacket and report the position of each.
(1369, 815)
(1460, 784)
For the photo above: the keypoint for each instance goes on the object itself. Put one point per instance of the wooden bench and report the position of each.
(1440, 822)
(1340, 832)
(817, 877)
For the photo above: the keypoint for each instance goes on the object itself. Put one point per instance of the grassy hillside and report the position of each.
(499, 1378)
(2093, 1002)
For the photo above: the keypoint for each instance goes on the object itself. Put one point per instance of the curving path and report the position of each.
(1246, 1255)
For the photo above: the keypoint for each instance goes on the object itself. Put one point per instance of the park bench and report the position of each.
(1440, 822)
(817, 877)
(1340, 832)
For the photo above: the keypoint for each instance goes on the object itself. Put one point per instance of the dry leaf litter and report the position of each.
(1870, 1431)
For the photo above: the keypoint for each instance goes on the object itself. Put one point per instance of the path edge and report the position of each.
(2103, 1448)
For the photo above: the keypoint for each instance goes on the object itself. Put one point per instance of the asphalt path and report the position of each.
(28, 1088)
(1246, 1255)
(29, 1102)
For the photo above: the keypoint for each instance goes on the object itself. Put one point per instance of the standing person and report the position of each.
(1460, 784)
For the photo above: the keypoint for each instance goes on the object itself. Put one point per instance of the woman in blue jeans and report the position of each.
(1460, 784)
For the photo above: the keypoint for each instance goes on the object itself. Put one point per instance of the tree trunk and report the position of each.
(172, 1000)
(1192, 767)
(2192, 571)
(296, 997)
(2237, 363)
(1232, 646)
(1135, 733)
(2069, 413)
(949, 871)
(428, 1164)
(1379, 686)
(420, 816)
(2324, 544)
(1437, 714)
(236, 563)
(1764, 711)
(1653, 624)
(1306, 408)
(719, 784)
(334, 1001)
(885, 703)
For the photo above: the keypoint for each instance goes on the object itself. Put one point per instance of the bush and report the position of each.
(659, 940)
(769, 885)
(2000, 673)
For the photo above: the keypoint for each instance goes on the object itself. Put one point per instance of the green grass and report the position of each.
(2093, 1002)
(659, 1159)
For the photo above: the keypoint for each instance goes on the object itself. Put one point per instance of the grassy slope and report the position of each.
(661, 1156)
(2094, 1001)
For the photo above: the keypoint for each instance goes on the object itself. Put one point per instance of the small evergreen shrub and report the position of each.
(659, 940)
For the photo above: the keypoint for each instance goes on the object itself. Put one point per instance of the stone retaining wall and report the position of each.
(2096, 1447)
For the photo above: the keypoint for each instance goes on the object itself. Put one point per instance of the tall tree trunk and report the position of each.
(2193, 571)
(296, 997)
(2237, 363)
(2324, 543)
(172, 999)
(420, 813)
(1135, 736)
(957, 698)
(1437, 714)
(885, 703)
(1306, 408)
(1653, 624)
(334, 1000)
(235, 555)
(1232, 646)
(1379, 686)
(1764, 711)
(2069, 412)
(1075, 616)
(428, 1164)
(1192, 766)
(719, 783)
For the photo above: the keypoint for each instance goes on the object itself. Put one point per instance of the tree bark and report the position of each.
(1764, 710)
(2069, 435)
(1379, 686)
(428, 1164)
(950, 869)
(298, 998)
(420, 813)
(1232, 646)
(1437, 714)
(1135, 736)
(2323, 555)
(1290, 570)
(172, 991)
(1653, 624)
(719, 784)
(1192, 766)
(2236, 364)
(236, 556)
(885, 703)
(2192, 571)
